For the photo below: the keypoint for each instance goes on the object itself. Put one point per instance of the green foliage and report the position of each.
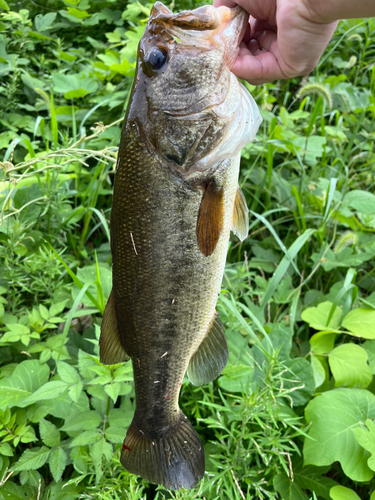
(292, 416)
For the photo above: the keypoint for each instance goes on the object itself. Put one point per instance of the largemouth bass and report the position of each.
(175, 200)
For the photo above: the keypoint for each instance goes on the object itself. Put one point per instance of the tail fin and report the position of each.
(175, 459)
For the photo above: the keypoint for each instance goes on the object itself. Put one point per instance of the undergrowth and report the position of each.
(292, 416)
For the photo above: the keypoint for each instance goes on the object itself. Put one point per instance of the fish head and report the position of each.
(185, 99)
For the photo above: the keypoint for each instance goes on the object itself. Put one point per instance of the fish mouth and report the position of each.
(219, 26)
(231, 30)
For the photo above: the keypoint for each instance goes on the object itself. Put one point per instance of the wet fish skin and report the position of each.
(174, 196)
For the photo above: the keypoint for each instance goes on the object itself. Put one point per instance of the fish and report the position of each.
(175, 200)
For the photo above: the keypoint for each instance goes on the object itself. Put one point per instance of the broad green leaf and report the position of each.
(62, 405)
(43, 23)
(369, 346)
(312, 478)
(99, 449)
(318, 371)
(317, 317)
(361, 323)
(4, 5)
(12, 491)
(322, 342)
(32, 459)
(6, 450)
(113, 390)
(333, 416)
(363, 201)
(67, 373)
(73, 86)
(50, 390)
(75, 391)
(86, 421)
(366, 438)
(289, 490)
(343, 493)
(348, 363)
(299, 375)
(57, 463)
(115, 434)
(87, 437)
(49, 433)
(27, 377)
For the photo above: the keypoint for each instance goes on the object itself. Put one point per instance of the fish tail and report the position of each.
(174, 459)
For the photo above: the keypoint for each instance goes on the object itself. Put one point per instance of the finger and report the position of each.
(253, 46)
(266, 39)
(257, 69)
(226, 3)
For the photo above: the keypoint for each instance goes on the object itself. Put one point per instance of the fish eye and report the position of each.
(156, 58)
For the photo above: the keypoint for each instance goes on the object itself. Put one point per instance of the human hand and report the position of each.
(284, 39)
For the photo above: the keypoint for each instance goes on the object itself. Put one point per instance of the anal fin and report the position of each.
(211, 356)
(240, 216)
(110, 346)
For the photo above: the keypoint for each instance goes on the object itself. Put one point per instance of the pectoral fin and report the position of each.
(210, 219)
(110, 346)
(240, 216)
(211, 356)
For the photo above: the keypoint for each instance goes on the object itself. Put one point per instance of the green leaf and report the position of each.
(318, 371)
(361, 323)
(11, 491)
(57, 463)
(333, 416)
(32, 459)
(322, 342)
(49, 433)
(4, 5)
(99, 449)
(81, 14)
(86, 421)
(363, 201)
(312, 478)
(50, 390)
(289, 490)
(369, 346)
(75, 391)
(113, 390)
(348, 363)
(87, 437)
(27, 377)
(317, 317)
(67, 373)
(6, 450)
(343, 493)
(43, 23)
(73, 86)
(300, 375)
(115, 434)
(366, 438)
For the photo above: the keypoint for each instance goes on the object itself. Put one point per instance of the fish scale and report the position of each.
(175, 200)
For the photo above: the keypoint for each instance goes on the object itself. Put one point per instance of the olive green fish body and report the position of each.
(165, 288)
(175, 201)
